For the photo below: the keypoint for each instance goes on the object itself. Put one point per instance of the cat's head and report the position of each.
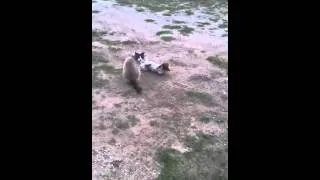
(138, 56)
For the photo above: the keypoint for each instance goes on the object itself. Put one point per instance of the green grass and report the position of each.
(202, 24)
(167, 38)
(205, 119)
(96, 35)
(149, 20)
(199, 77)
(223, 25)
(123, 125)
(98, 58)
(199, 142)
(126, 123)
(178, 22)
(171, 27)
(186, 30)
(213, 19)
(163, 32)
(200, 97)
(107, 69)
(189, 12)
(218, 61)
(96, 81)
(203, 161)
(167, 14)
(133, 120)
(139, 9)
(209, 116)
(114, 48)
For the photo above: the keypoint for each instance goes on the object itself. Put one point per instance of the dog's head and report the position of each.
(165, 66)
(138, 56)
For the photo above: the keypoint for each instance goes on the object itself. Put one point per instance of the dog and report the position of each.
(147, 65)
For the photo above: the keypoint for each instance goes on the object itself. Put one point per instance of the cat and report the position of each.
(147, 65)
(131, 72)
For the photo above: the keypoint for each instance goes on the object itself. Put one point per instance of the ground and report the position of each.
(177, 127)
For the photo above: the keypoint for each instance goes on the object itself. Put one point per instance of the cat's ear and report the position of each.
(142, 54)
(135, 53)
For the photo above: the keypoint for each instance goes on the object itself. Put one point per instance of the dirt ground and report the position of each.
(130, 130)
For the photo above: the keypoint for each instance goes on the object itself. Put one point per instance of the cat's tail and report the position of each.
(136, 86)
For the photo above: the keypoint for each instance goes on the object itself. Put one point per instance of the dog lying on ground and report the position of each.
(147, 65)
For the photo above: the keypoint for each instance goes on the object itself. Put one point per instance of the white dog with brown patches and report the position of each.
(147, 65)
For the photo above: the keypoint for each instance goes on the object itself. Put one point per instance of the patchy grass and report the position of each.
(224, 35)
(128, 42)
(199, 78)
(98, 58)
(167, 14)
(203, 162)
(208, 116)
(133, 120)
(189, 12)
(223, 25)
(117, 42)
(186, 30)
(112, 141)
(178, 22)
(173, 6)
(98, 83)
(126, 123)
(171, 27)
(218, 61)
(213, 116)
(139, 9)
(214, 19)
(122, 124)
(202, 24)
(200, 141)
(163, 32)
(114, 48)
(154, 123)
(205, 119)
(107, 69)
(200, 97)
(149, 20)
(96, 35)
(167, 38)
(95, 11)
(115, 131)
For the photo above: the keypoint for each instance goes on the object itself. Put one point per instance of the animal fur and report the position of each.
(131, 72)
(147, 65)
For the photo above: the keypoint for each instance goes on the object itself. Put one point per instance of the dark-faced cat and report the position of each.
(131, 72)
